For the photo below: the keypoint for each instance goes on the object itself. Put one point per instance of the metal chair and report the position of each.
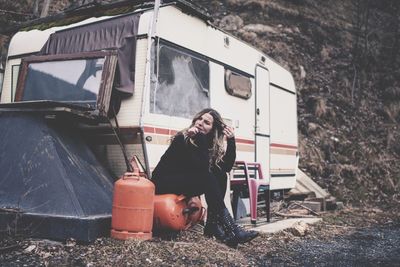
(248, 175)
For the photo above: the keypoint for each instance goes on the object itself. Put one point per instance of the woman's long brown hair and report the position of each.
(216, 135)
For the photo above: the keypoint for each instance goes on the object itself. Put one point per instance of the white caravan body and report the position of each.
(261, 108)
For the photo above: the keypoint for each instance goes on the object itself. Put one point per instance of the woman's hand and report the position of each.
(229, 132)
(192, 131)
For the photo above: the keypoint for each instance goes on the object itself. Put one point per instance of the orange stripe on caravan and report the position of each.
(244, 141)
(162, 131)
(147, 129)
(283, 146)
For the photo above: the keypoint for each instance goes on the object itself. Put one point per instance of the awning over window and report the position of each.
(116, 33)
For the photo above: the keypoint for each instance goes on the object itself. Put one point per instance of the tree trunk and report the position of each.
(36, 8)
(45, 8)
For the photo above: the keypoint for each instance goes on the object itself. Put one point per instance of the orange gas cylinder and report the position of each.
(176, 213)
(133, 206)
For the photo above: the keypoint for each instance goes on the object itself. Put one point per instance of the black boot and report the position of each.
(233, 233)
(212, 229)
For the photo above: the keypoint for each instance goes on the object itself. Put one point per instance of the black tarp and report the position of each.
(51, 184)
(116, 33)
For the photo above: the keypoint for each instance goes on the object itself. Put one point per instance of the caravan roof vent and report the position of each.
(226, 41)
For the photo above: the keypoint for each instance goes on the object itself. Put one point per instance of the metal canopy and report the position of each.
(52, 185)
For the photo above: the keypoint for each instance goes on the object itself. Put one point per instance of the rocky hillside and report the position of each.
(345, 58)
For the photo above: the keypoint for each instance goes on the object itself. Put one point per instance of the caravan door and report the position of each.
(262, 127)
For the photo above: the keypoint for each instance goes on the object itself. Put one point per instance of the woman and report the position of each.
(196, 163)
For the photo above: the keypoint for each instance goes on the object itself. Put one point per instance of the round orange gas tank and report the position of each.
(133, 207)
(173, 212)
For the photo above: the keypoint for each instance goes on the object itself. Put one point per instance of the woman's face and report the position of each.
(205, 123)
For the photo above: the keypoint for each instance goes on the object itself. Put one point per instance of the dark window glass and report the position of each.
(180, 83)
(237, 84)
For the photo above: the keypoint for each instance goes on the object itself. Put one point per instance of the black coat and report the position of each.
(183, 159)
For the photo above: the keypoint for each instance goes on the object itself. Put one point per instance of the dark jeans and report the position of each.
(194, 185)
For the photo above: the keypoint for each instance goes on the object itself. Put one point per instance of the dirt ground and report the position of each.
(351, 237)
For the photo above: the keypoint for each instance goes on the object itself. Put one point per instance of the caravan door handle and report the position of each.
(257, 111)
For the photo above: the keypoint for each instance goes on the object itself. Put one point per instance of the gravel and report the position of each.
(352, 237)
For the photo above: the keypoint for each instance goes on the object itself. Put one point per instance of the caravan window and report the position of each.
(70, 80)
(180, 83)
(77, 79)
(237, 84)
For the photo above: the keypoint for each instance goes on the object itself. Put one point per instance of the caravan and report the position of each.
(146, 69)
(155, 68)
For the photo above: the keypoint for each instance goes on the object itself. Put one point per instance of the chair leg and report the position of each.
(268, 204)
(235, 202)
(253, 192)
